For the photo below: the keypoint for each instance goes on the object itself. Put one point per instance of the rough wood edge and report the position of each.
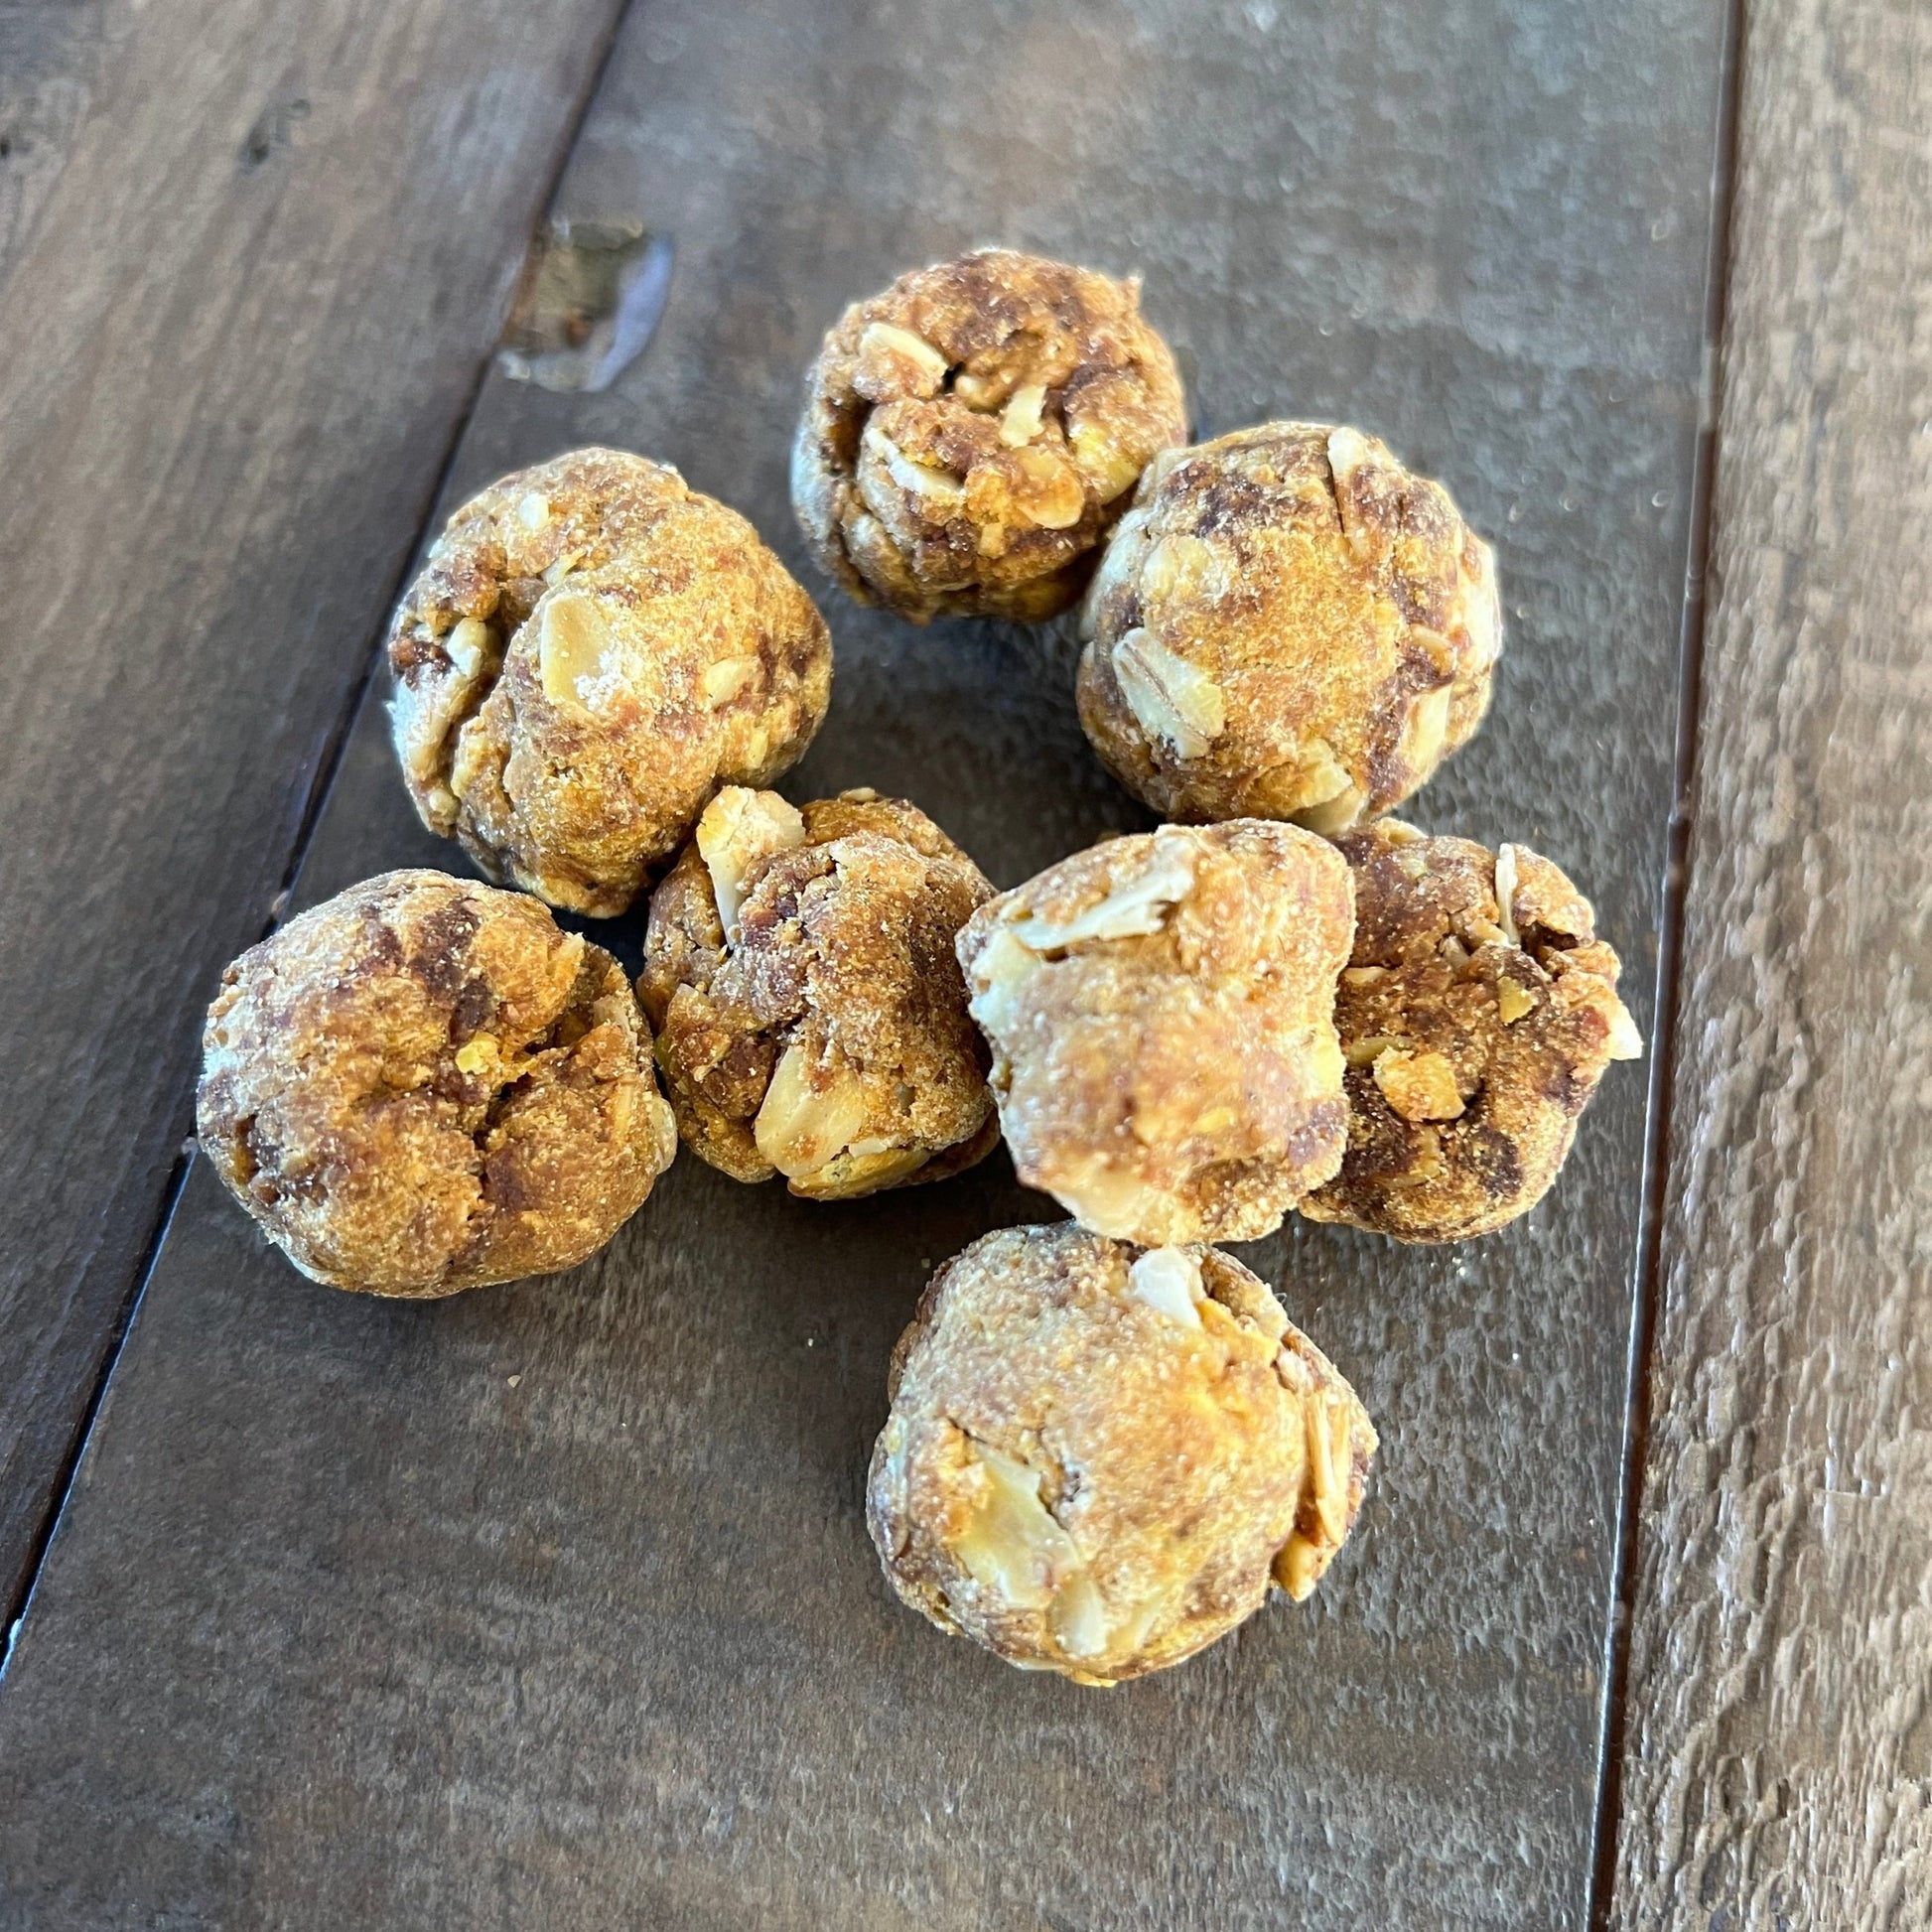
(1779, 1687)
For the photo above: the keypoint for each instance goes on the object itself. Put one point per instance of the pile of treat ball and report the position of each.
(1105, 1439)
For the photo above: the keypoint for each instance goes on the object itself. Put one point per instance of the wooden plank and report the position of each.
(1777, 1760)
(50, 60)
(247, 295)
(554, 1603)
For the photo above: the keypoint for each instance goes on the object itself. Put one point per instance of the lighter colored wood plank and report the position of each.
(1777, 1769)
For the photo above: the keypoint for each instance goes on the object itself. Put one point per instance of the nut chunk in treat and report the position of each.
(1477, 1016)
(970, 433)
(424, 1085)
(590, 652)
(1101, 1456)
(1286, 624)
(812, 1021)
(1161, 1012)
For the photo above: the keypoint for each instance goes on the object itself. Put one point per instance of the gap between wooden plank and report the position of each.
(1663, 1059)
(322, 783)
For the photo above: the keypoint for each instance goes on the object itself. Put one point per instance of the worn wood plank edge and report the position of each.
(320, 784)
(1670, 962)
(1779, 1755)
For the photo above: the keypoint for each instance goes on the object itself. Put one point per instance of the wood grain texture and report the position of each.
(554, 1605)
(1777, 1769)
(50, 60)
(247, 297)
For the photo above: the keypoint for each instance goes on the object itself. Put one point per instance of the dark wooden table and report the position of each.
(552, 1605)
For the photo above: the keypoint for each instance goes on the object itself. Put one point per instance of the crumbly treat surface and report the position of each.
(812, 1017)
(1286, 624)
(590, 651)
(424, 1085)
(970, 433)
(1161, 1014)
(1098, 1458)
(1477, 1015)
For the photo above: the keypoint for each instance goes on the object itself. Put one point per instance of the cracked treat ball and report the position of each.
(1477, 1015)
(1161, 1010)
(424, 1085)
(590, 652)
(970, 434)
(812, 1017)
(1101, 1456)
(1286, 624)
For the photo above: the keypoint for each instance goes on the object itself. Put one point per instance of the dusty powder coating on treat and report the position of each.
(590, 651)
(1160, 1012)
(1098, 1458)
(424, 1085)
(812, 1018)
(1477, 1015)
(1286, 624)
(969, 434)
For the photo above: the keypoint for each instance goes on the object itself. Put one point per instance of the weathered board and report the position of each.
(252, 260)
(50, 59)
(553, 1603)
(1777, 1761)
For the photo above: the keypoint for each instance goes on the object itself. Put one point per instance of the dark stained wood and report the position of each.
(1777, 1764)
(255, 258)
(553, 1605)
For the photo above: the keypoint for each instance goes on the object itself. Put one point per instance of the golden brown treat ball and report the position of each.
(812, 1021)
(1477, 1015)
(1101, 1456)
(970, 433)
(1286, 624)
(424, 1085)
(1160, 1012)
(590, 652)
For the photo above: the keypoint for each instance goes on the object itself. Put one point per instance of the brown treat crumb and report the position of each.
(970, 433)
(590, 651)
(1160, 1009)
(1286, 624)
(812, 1017)
(1101, 1456)
(424, 1085)
(1477, 1015)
